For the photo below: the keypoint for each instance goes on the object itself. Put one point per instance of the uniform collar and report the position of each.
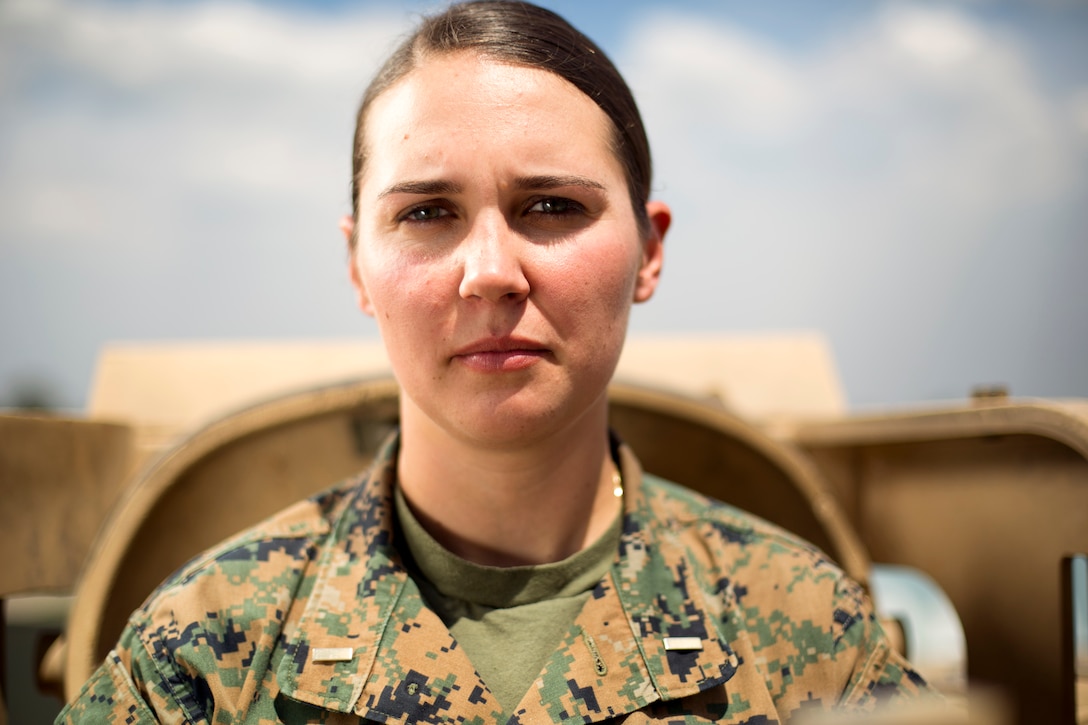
(365, 642)
(673, 622)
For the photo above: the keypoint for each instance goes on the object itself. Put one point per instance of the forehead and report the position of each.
(463, 102)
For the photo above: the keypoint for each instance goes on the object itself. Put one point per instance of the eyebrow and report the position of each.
(439, 187)
(539, 183)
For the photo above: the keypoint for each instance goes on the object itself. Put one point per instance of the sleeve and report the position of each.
(109, 696)
(131, 687)
(881, 675)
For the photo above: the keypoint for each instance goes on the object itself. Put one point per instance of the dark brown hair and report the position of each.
(522, 34)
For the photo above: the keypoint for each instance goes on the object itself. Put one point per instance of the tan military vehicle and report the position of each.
(968, 520)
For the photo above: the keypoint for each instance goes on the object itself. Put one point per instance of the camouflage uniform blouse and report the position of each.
(708, 615)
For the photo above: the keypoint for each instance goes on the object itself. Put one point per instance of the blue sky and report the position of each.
(908, 178)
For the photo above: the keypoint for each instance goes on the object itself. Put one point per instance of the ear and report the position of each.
(362, 299)
(653, 250)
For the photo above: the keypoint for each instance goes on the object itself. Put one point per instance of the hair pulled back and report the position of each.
(522, 34)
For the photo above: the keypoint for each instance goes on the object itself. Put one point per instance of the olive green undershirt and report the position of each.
(507, 619)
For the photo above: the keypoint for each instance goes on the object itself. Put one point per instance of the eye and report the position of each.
(425, 213)
(556, 205)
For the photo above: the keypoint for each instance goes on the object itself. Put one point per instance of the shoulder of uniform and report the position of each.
(233, 598)
(765, 569)
(684, 511)
(290, 535)
(227, 605)
(681, 506)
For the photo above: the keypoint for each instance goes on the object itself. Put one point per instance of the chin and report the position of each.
(508, 428)
(515, 423)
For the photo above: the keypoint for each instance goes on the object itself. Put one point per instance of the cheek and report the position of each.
(601, 279)
(590, 298)
(404, 296)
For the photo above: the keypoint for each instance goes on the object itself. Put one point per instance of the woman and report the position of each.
(504, 560)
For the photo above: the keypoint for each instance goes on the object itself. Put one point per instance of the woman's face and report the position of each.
(497, 248)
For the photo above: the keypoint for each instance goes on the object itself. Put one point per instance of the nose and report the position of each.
(493, 264)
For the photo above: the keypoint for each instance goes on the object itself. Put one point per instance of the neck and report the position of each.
(530, 503)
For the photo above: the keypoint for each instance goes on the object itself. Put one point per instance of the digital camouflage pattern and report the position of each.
(242, 634)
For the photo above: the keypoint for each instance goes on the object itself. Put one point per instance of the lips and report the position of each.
(505, 354)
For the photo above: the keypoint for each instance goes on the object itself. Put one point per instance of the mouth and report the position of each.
(505, 354)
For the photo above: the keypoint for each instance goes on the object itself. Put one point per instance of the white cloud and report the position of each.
(144, 44)
(939, 39)
(959, 105)
(862, 186)
(114, 106)
(921, 100)
(717, 72)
